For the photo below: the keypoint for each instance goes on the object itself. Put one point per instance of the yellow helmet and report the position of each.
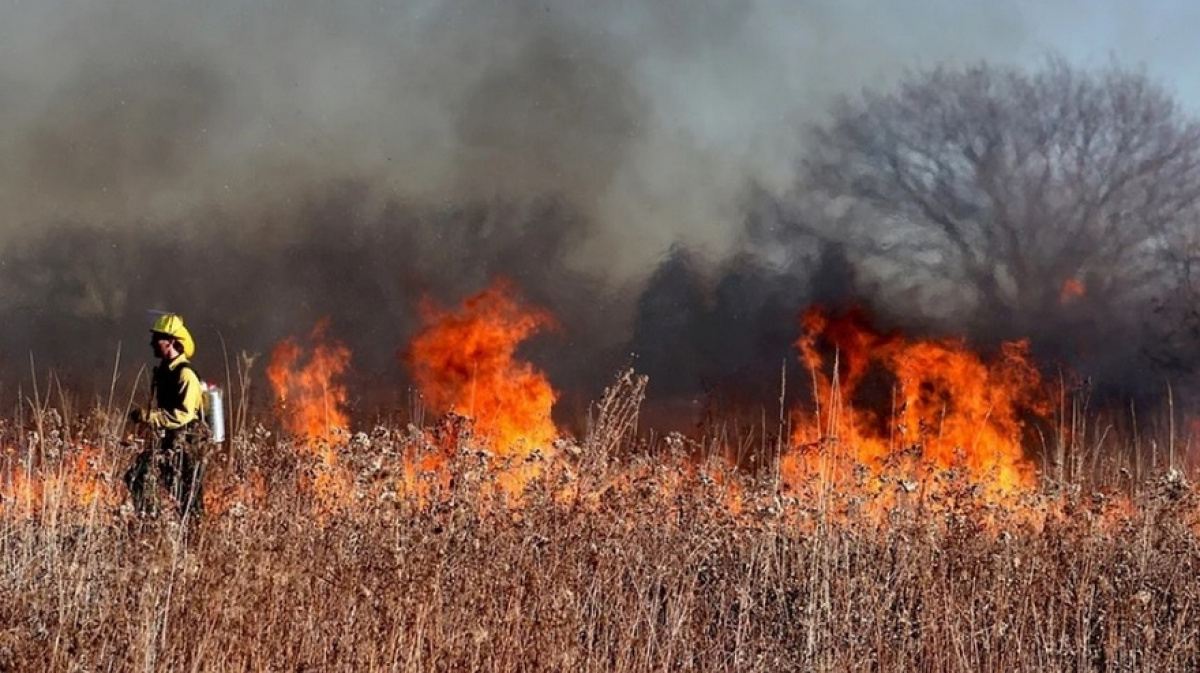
(172, 325)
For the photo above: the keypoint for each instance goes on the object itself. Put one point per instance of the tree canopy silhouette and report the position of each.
(1058, 204)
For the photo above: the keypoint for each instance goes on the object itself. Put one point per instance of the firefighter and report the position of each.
(176, 394)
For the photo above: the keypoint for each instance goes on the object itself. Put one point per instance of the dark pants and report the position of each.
(177, 465)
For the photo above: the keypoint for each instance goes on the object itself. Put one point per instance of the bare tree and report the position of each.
(1029, 197)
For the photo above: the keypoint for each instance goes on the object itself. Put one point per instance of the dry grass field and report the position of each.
(396, 551)
(977, 521)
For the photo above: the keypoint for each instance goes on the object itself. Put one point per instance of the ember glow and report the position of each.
(83, 480)
(1072, 289)
(891, 409)
(465, 361)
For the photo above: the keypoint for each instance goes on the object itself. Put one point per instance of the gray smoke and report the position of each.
(257, 166)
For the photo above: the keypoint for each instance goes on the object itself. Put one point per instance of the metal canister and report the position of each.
(216, 411)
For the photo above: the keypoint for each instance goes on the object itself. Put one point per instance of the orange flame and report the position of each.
(312, 402)
(80, 481)
(465, 361)
(312, 405)
(948, 413)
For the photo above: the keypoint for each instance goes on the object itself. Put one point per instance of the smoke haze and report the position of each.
(256, 166)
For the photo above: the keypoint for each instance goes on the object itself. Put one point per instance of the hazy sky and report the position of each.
(342, 158)
(1159, 34)
(651, 115)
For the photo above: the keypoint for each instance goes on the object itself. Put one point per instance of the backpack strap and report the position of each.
(202, 414)
(188, 365)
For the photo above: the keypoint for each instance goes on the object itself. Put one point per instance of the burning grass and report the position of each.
(659, 560)
(916, 537)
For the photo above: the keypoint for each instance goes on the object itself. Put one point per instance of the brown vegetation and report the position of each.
(654, 561)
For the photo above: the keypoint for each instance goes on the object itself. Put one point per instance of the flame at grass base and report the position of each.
(464, 361)
(949, 417)
(82, 479)
(312, 401)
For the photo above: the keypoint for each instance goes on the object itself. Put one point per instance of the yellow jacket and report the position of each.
(178, 395)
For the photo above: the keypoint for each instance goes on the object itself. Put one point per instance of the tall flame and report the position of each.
(312, 400)
(312, 405)
(465, 361)
(947, 410)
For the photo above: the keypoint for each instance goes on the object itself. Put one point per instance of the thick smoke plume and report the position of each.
(259, 166)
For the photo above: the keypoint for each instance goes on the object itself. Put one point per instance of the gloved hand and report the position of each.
(137, 415)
